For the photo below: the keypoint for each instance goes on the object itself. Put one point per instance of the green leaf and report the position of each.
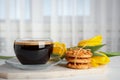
(94, 48)
(111, 54)
(96, 54)
(6, 57)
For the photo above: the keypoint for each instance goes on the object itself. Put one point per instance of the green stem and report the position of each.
(111, 54)
(6, 57)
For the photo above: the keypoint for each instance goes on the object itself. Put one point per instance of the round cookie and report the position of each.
(79, 53)
(78, 65)
(78, 60)
(80, 56)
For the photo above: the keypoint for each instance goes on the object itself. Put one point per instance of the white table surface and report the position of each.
(112, 73)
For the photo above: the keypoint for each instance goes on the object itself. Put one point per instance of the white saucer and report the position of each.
(15, 63)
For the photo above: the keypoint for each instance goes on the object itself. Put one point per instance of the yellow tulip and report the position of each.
(94, 41)
(93, 63)
(59, 49)
(99, 60)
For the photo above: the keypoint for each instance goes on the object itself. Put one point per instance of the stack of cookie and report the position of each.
(78, 58)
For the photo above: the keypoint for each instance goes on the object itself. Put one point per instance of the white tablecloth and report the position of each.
(112, 73)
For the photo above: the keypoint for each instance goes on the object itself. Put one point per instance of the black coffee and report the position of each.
(33, 52)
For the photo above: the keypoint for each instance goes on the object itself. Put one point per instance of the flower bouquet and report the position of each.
(86, 54)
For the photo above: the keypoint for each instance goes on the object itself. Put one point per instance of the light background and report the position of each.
(67, 21)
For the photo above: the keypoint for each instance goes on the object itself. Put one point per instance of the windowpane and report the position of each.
(27, 9)
(17, 9)
(12, 10)
(47, 7)
(59, 7)
(2, 9)
(80, 6)
(64, 8)
(83, 7)
(67, 10)
(87, 7)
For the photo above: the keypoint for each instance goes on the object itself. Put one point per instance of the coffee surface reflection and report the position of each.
(33, 51)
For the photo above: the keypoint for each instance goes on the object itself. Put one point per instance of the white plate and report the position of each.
(15, 63)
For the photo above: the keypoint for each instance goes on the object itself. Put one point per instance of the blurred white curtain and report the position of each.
(68, 21)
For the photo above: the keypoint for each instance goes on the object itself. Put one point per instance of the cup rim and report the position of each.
(39, 39)
(33, 41)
